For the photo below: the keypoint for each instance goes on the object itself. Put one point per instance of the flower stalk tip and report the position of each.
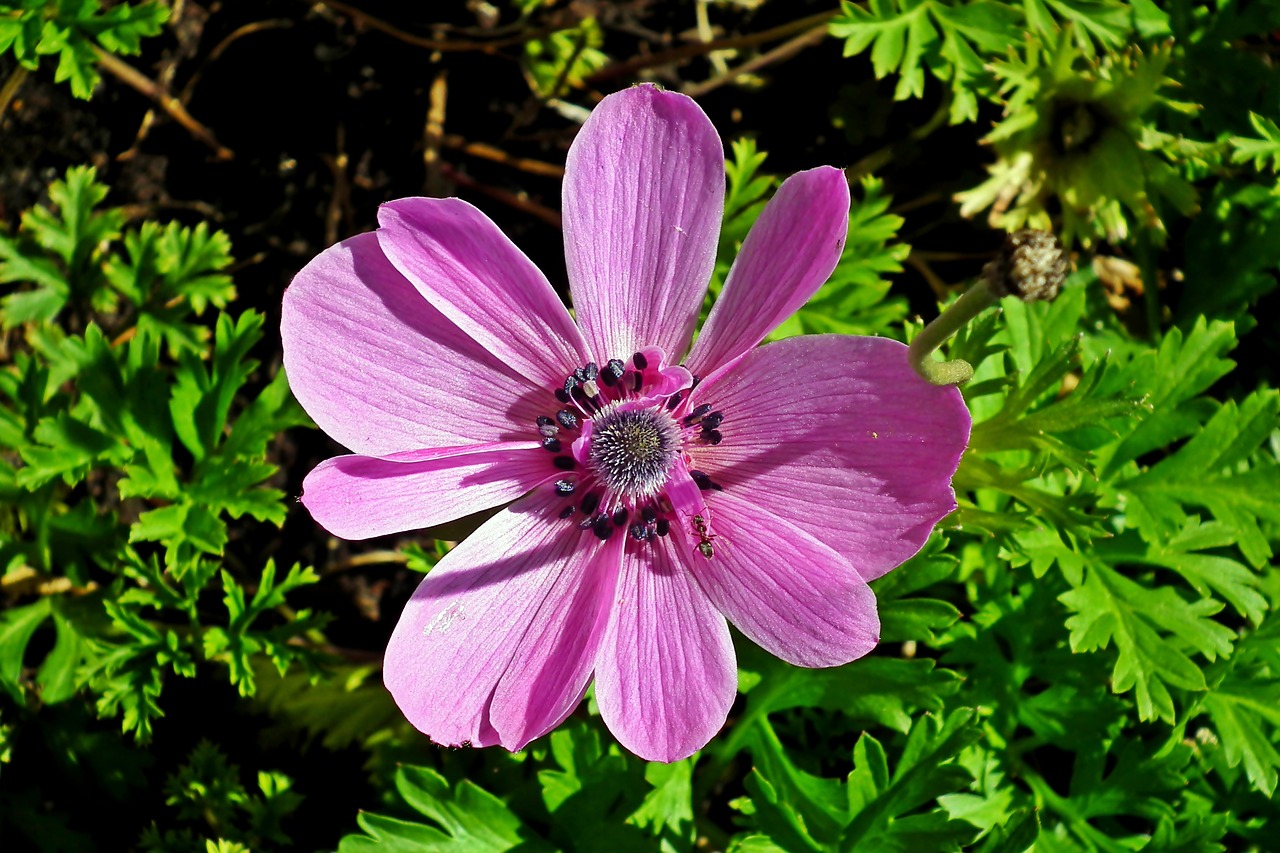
(1031, 265)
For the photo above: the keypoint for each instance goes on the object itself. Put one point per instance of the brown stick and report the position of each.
(137, 80)
(433, 44)
(486, 151)
(524, 205)
(689, 51)
(11, 87)
(782, 52)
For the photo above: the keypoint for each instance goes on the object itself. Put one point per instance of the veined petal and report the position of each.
(358, 497)
(643, 200)
(467, 268)
(380, 370)
(839, 436)
(519, 579)
(789, 253)
(555, 659)
(786, 591)
(666, 674)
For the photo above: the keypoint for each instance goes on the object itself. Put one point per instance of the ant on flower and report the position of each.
(705, 537)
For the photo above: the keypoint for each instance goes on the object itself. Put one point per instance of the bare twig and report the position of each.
(689, 51)
(434, 133)
(519, 202)
(171, 105)
(11, 86)
(486, 151)
(221, 47)
(782, 52)
(435, 44)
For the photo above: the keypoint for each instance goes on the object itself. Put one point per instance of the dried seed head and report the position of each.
(1031, 266)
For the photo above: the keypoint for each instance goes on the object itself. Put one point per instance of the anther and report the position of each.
(602, 526)
(548, 431)
(703, 481)
(590, 501)
(713, 420)
(565, 487)
(620, 516)
(613, 371)
(562, 396)
(590, 371)
(640, 532)
(639, 361)
(649, 514)
(673, 401)
(564, 463)
(712, 436)
(567, 418)
(663, 527)
(566, 512)
(544, 421)
(551, 443)
(636, 382)
(697, 414)
(571, 384)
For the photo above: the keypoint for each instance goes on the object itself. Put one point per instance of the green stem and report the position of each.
(973, 302)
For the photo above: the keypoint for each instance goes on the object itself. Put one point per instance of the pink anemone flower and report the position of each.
(647, 501)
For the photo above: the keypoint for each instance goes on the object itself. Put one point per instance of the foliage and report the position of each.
(1082, 658)
(74, 31)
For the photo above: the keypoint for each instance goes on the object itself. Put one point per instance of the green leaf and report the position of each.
(17, 626)
(465, 818)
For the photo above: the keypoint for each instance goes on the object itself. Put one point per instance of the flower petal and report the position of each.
(643, 199)
(789, 593)
(359, 342)
(358, 497)
(839, 436)
(666, 674)
(789, 253)
(467, 268)
(554, 661)
(519, 578)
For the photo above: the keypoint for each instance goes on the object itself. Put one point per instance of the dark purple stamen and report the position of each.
(590, 371)
(590, 501)
(649, 514)
(551, 443)
(567, 418)
(639, 361)
(564, 463)
(566, 512)
(602, 526)
(712, 436)
(663, 527)
(544, 421)
(562, 396)
(571, 384)
(713, 420)
(640, 532)
(565, 487)
(702, 480)
(637, 382)
(673, 401)
(696, 414)
(620, 516)
(613, 370)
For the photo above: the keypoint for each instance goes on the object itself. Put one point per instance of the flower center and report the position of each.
(624, 440)
(632, 449)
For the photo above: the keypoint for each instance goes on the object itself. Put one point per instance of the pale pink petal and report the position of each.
(380, 370)
(467, 268)
(517, 580)
(358, 497)
(666, 674)
(643, 200)
(789, 593)
(555, 658)
(839, 436)
(789, 254)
